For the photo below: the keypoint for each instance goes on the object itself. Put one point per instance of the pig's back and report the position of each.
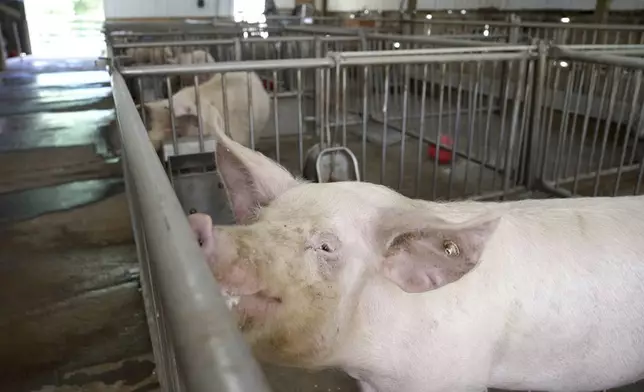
(238, 104)
(571, 277)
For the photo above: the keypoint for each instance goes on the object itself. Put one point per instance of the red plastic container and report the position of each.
(444, 156)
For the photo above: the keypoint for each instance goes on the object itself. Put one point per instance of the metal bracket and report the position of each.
(198, 186)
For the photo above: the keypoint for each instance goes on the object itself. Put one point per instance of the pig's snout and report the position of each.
(237, 274)
(201, 225)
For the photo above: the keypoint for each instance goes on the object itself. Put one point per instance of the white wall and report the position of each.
(166, 8)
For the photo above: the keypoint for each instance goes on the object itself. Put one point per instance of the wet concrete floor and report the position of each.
(70, 304)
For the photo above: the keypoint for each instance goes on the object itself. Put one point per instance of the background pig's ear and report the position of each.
(424, 253)
(252, 180)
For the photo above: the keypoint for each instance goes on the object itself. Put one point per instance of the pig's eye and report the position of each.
(325, 248)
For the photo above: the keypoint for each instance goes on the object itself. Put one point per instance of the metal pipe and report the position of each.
(427, 51)
(596, 58)
(433, 58)
(210, 352)
(433, 40)
(229, 66)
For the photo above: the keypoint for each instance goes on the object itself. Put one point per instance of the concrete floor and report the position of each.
(71, 314)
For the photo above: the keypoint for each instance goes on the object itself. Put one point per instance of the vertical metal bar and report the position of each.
(199, 113)
(144, 116)
(276, 118)
(629, 126)
(533, 149)
(584, 132)
(401, 168)
(365, 119)
(383, 157)
(421, 131)
(499, 146)
(344, 106)
(224, 100)
(473, 104)
(598, 123)
(486, 136)
(251, 112)
(620, 118)
(457, 130)
(175, 144)
(438, 129)
(300, 120)
(611, 106)
(546, 145)
(513, 128)
(336, 127)
(563, 126)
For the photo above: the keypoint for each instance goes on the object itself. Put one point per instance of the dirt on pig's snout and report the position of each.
(290, 319)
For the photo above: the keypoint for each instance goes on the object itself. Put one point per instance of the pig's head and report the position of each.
(159, 125)
(302, 255)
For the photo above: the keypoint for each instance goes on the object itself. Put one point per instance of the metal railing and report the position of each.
(197, 348)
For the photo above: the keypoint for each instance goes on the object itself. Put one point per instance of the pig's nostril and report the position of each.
(200, 243)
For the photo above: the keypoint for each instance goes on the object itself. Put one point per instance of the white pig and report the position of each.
(417, 296)
(150, 55)
(211, 99)
(194, 57)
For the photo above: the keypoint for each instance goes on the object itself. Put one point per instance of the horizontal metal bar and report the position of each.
(210, 352)
(337, 38)
(325, 29)
(545, 25)
(432, 40)
(228, 66)
(386, 59)
(160, 44)
(380, 58)
(610, 47)
(402, 52)
(596, 58)
(230, 41)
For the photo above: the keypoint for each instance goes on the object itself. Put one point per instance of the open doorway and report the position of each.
(66, 28)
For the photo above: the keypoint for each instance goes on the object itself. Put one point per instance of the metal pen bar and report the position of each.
(160, 44)
(384, 58)
(433, 40)
(228, 66)
(596, 58)
(210, 352)
(428, 51)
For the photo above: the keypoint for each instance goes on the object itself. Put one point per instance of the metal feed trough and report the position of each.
(434, 118)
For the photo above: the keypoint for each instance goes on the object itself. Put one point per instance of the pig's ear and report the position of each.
(423, 253)
(252, 180)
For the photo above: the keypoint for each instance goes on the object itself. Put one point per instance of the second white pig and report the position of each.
(416, 296)
(211, 100)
